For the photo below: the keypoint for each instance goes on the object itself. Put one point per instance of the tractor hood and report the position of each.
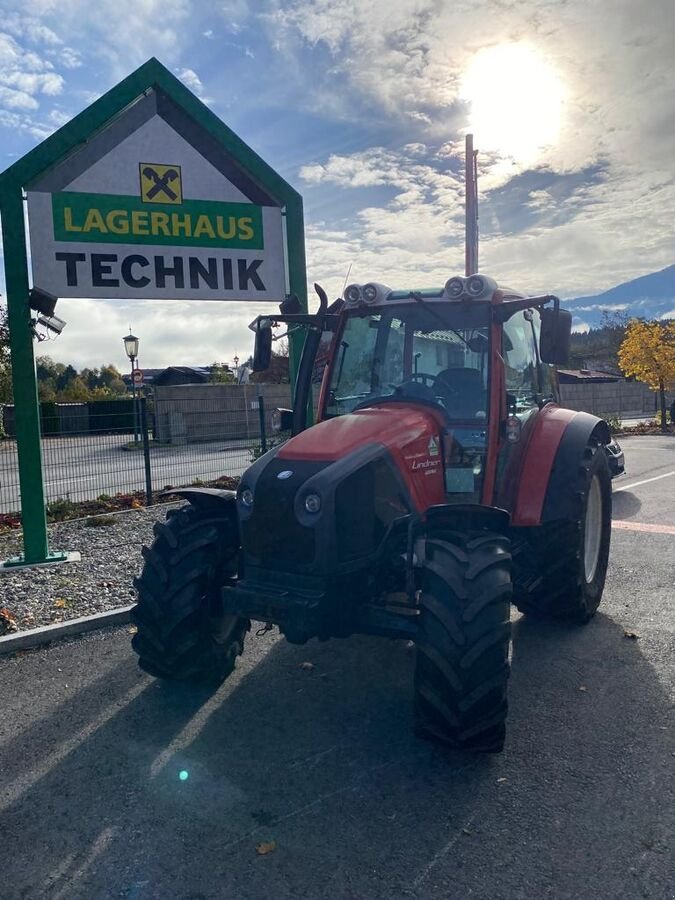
(400, 427)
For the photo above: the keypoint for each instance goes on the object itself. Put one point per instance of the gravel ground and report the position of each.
(111, 557)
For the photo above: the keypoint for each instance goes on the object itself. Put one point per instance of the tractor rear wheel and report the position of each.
(463, 643)
(182, 631)
(560, 567)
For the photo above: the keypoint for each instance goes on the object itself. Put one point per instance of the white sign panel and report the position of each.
(153, 217)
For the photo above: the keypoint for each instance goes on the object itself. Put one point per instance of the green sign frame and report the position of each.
(19, 177)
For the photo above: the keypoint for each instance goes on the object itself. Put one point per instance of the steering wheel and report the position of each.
(421, 384)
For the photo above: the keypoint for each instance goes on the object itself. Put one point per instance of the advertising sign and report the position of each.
(152, 210)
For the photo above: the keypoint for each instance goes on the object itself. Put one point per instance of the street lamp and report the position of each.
(131, 350)
(236, 368)
(131, 347)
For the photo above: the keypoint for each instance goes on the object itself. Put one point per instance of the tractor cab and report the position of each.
(412, 353)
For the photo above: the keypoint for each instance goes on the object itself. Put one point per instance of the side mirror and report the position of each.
(262, 352)
(556, 332)
(282, 420)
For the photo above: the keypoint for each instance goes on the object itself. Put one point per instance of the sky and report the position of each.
(363, 105)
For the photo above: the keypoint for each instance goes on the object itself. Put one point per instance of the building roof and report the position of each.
(586, 376)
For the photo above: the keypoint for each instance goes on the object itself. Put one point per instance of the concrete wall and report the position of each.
(192, 413)
(624, 399)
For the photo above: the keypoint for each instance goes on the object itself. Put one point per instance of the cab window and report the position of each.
(521, 363)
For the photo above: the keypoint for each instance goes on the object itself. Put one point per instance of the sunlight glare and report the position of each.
(516, 100)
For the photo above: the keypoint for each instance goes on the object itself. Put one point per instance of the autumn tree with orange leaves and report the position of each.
(648, 354)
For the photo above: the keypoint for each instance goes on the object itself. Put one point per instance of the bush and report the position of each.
(614, 423)
(98, 521)
(60, 509)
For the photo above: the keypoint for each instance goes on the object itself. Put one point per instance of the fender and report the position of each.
(206, 498)
(548, 475)
(468, 517)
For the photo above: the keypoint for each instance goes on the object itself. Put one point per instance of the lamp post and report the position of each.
(131, 349)
(236, 369)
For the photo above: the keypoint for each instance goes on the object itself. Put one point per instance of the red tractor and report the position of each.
(441, 483)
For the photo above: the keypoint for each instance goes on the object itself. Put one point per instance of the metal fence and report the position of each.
(120, 454)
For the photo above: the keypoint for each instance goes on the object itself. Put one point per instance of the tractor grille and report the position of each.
(365, 505)
(272, 534)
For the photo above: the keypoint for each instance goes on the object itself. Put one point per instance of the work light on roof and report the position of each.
(374, 292)
(475, 286)
(353, 295)
(454, 288)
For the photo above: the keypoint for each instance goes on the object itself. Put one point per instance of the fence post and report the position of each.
(261, 416)
(146, 451)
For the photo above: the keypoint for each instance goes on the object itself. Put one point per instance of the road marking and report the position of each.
(628, 487)
(644, 526)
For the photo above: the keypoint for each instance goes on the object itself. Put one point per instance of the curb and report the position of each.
(45, 634)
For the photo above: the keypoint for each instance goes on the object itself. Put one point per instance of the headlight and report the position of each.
(247, 498)
(313, 503)
(454, 288)
(353, 294)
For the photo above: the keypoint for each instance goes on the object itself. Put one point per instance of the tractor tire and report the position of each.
(560, 567)
(463, 642)
(182, 634)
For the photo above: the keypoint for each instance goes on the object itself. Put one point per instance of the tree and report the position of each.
(278, 371)
(111, 380)
(5, 360)
(221, 374)
(648, 354)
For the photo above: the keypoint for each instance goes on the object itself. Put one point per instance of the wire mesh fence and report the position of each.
(185, 435)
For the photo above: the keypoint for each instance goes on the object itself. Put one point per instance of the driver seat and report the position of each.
(462, 391)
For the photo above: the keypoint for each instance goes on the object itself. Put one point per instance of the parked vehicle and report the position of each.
(441, 483)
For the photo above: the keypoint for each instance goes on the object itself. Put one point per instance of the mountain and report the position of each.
(650, 297)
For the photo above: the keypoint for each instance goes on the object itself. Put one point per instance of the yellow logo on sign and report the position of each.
(161, 184)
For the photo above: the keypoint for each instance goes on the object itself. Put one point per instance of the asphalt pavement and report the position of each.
(116, 786)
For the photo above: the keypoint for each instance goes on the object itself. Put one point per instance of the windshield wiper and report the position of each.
(418, 298)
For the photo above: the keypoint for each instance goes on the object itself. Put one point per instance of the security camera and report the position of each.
(53, 323)
(42, 301)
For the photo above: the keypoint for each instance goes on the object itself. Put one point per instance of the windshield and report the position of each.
(436, 354)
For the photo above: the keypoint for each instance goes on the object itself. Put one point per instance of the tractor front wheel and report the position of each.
(560, 567)
(463, 643)
(182, 631)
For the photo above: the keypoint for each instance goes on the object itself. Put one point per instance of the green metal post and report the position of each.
(297, 281)
(24, 381)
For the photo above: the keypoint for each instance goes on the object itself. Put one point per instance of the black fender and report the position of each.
(468, 517)
(206, 498)
(561, 499)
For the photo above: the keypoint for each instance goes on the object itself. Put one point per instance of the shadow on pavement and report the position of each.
(625, 505)
(322, 761)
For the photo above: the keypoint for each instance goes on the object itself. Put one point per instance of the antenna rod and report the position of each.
(471, 208)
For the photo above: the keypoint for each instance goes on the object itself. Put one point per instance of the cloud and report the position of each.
(190, 79)
(13, 99)
(217, 331)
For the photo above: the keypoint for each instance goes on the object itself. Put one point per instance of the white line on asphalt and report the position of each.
(628, 487)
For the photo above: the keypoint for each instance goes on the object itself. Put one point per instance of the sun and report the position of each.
(516, 100)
